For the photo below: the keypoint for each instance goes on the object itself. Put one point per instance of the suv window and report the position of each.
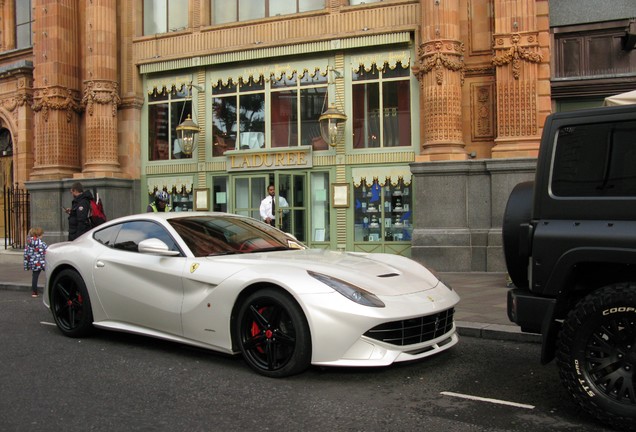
(595, 160)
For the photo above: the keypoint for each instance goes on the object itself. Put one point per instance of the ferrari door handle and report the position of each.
(99, 264)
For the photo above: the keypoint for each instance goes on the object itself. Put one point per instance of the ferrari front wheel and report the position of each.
(273, 334)
(70, 304)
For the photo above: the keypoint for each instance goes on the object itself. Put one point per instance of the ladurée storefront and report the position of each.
(259, 125)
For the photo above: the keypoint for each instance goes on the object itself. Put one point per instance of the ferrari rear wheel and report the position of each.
(274, 334)
(70, 304)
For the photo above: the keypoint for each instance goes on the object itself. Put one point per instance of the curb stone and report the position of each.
(495, 332)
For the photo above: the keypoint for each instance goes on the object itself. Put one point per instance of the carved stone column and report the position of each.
(440, 69)
(56, 89)
(7, 25)
(516, 59)
(101, 90)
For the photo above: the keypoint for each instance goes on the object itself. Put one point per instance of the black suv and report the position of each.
(569, 241)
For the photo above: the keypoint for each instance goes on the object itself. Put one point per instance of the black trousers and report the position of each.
(34, 280)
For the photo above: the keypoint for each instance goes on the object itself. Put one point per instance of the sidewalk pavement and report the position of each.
(481, 311)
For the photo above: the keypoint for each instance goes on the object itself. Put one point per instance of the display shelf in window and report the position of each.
(382, 211)
(182, 201)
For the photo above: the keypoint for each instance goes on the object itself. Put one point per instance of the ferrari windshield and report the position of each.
(226, 234)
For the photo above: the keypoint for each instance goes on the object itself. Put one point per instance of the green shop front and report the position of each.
(259, 124)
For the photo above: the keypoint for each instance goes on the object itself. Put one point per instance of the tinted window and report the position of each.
(220, 235)
(132, 233)
(595, 160)
(107, 236)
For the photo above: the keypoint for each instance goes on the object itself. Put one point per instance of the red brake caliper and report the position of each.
(256, 330)
(79, 300)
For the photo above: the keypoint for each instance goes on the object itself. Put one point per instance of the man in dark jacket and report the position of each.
(78, 222)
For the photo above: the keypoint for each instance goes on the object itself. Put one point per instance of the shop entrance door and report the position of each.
(293, 188)
(248, 193)
(291, 194)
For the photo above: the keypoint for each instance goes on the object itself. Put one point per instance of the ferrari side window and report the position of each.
(132, 233)
(107, 236)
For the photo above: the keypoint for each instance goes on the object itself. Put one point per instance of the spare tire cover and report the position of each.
(518, 211)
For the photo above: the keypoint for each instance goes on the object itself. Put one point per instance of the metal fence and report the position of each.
(17, 216)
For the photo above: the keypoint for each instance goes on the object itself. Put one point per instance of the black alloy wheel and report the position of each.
(70, 304)
(597, 354)
(274, 334)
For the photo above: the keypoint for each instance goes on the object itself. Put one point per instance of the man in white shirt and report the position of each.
(269, 208)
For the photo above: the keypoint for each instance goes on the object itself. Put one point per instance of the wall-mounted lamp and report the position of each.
(331, 118)
(329, 121)
(187, 132)
(188, 129)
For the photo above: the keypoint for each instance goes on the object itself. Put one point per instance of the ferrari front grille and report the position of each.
(414, 330)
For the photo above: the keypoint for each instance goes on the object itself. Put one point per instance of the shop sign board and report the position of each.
(245, 160)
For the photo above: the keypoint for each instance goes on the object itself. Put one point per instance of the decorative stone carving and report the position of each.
(482, 108)
(101, 92)
(10, 104)
(514, 48)
(55, 98)
(440, 54)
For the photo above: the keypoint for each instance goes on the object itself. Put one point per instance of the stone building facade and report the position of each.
(445, 102)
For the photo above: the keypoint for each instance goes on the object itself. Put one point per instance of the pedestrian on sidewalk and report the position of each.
(34, 256)
(78, 213)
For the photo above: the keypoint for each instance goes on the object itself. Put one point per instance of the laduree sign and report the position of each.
(245, 160)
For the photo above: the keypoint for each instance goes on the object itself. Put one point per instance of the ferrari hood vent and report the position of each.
(388, 275)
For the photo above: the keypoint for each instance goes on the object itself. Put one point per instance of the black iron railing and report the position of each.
(17, 216)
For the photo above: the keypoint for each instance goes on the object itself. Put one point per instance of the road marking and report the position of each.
(496, 401)
(47, 323)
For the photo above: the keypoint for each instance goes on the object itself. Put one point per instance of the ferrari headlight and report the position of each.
(348, 290)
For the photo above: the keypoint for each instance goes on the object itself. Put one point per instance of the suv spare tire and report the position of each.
(518, 211)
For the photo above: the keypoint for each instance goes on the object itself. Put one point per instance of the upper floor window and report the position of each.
(162, 16)
(381, 107)
(592, 51)
(166, 110)
(23, 22)
(226, 11)
(294, 104)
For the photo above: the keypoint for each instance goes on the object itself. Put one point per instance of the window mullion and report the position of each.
(299, 125)
(381, 106)
(167, 20)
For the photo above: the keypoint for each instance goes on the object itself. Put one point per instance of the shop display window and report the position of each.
(167, 108)
(383, 211)
(182, 200)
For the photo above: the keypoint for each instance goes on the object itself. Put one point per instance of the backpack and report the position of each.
(96, 215)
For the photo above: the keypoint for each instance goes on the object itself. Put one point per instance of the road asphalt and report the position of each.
(481, 311)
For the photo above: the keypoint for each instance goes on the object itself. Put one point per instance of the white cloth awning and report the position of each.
(167, 84)
(381, 59)
(269, 71)
(170, 184)
(382, 175)
(621, 99)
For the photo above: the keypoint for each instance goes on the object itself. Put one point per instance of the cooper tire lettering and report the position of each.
(596, 357)
(619, 309)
